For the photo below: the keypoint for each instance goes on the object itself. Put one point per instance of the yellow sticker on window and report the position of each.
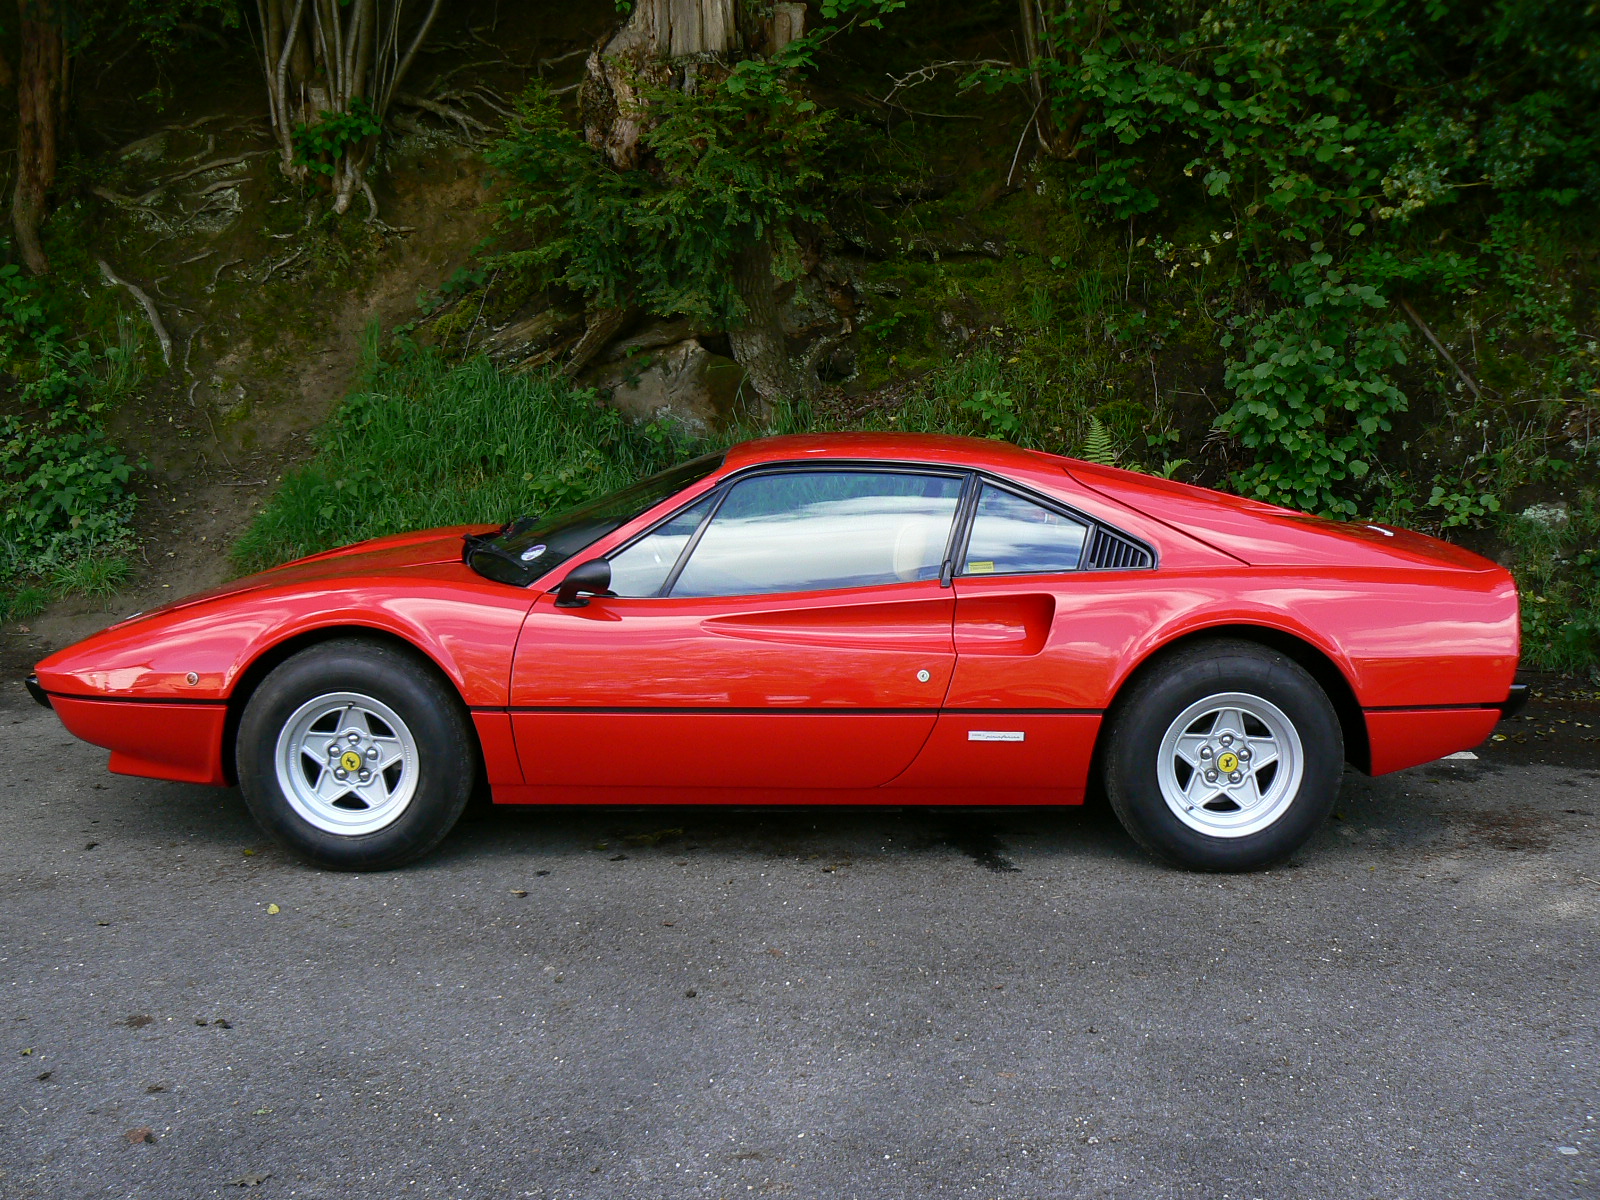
(980, 568)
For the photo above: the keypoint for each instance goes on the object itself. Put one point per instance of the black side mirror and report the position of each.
(592, 577)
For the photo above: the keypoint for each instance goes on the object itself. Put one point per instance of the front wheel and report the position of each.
(1226, 757)
(355, 756)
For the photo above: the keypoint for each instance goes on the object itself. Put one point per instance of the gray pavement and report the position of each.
(819, 1003)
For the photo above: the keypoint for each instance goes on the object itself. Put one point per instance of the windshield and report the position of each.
(528, 547)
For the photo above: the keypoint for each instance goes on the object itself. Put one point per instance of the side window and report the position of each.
(1013, 536)
(642, 569)
(809, 530)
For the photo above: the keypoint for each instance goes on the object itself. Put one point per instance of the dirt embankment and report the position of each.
(266, 301)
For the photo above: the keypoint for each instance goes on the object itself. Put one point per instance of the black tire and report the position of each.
(1183, 681)
(442, 767)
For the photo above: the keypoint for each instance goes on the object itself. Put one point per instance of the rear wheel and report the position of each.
(1226, 757)
(355, 755)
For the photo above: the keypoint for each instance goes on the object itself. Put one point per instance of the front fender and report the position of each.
(467, 626)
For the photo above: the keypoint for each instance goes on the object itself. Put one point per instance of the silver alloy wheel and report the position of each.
(347, 763)
(1230, 765)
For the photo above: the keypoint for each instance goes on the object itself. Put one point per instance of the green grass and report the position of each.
(424, 443)
(97, 573)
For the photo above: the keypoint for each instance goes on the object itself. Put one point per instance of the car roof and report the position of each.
(937, 448)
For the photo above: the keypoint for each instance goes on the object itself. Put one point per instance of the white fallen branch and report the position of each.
(147, 304)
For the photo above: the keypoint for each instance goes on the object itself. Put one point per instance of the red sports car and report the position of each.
(837, 619)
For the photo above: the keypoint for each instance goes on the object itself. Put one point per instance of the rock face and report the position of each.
(682, 382)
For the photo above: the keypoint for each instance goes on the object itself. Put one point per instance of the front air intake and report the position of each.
(1112, 552)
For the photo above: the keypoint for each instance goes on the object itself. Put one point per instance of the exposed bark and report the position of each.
(40, 76)
(678, 28)
(675, 43)
(759, 344)
(603, 325)
(785, 24)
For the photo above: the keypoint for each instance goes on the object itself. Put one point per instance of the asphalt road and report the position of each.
(835, 1004)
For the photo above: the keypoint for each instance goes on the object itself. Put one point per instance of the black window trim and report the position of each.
(1022, 492)
(833, 466)
(972, 478)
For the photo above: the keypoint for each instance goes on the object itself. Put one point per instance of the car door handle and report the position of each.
(1017, 624)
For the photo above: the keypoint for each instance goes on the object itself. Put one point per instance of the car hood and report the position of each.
(1265, 535)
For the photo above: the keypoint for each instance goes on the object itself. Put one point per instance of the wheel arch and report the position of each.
(1316, 662)
(279, 652)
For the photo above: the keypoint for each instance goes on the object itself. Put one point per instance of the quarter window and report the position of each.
(643, 568)
(1013, 536)
(811, 530)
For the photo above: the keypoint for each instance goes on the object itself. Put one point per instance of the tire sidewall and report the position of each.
(445, 752)
(1140, 724)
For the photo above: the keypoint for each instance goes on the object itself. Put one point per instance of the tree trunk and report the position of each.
(759, 345)
(39, 95)
(669, 43)
(326, 55)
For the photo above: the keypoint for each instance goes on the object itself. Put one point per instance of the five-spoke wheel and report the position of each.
(1224, 755)
(347, 763)
(1230, 764)
(356, 754)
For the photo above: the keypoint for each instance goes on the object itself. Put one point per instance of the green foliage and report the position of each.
(735, 164)
(64, 494)
(321, 145)
(1317, 120)
(22, 315)
(1313, 393)
(1558, 575)
(1334, 155)
(1461, 508)
(994, 413)
(63, 488)
(425, 443)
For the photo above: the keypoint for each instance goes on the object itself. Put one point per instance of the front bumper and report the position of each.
(182, 742)
(37, 692)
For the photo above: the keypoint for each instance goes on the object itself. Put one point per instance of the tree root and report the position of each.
(147, 304)
(118, 198)
(467, 122)
(232, 160)
(283, 262)
(221, 185)
(142, 138)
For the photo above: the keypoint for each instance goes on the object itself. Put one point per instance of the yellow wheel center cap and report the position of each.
(1228, 761)
(350, 760)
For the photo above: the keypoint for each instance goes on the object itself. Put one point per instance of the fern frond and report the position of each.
(1099, 447)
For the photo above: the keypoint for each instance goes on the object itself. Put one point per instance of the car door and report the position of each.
(1035, 629)
(789, 630)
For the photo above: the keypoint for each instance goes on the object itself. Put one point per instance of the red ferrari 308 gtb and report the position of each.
(840, 619)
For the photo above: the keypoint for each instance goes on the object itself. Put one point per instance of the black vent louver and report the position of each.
(1112, 552)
